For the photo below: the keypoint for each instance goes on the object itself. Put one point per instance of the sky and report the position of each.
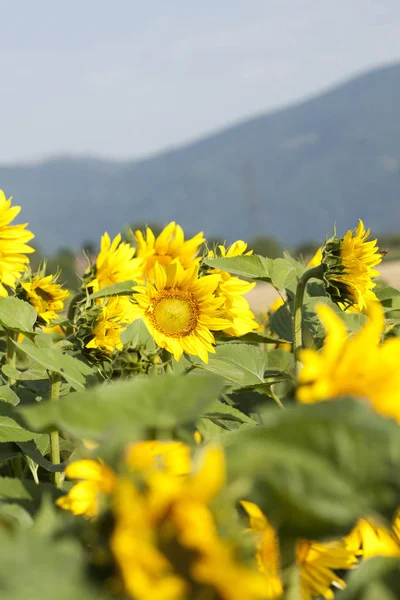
(129, 78)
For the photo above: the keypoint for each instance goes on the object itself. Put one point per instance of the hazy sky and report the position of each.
(124, 78)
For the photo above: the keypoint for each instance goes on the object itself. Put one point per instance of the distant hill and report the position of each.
(291, 174)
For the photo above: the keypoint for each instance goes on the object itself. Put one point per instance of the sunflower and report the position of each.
(45, 295)
(13, 245)
(357, 365)
(115, 314)
(317, 562)
(180, 309)
(232, 289)
(96, 479)
(116, 262)
(169, 245)
(374, 539)
(348, 268)
(166, 541)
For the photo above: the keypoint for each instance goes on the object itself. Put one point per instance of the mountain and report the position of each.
(292, 174)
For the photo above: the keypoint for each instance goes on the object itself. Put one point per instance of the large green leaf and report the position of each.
(122, 288)
(318, 468)
(56, 361)
(252, 267)
(240, 364)
(17, 315)
(156, 402)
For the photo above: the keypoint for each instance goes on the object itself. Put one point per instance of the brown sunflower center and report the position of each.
(175, 312)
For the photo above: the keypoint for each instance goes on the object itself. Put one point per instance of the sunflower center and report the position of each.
(175, 312)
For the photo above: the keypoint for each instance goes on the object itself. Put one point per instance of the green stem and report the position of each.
(11, 353)
(54, 435)
(317, 273)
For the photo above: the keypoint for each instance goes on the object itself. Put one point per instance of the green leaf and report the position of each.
(17, 315)
(54, 360)
(30, 449)
(10, 428)
(157, 402)
(375, 579)
(240, 364)
(8, 395)
(285, 273)
(252, 267)
(253, 337)
(123, 288)
(8, 450)
(316, 469)
(25, 491)
(34, 374)
(137, 336)
(220, 410)
(34, 567)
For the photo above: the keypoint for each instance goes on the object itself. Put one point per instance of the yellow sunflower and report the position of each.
(232, 289)
(318, 562)
(357, 365)
(13, 245)
(374, 539)
(116, 262)
(116, 313)
(180, 309)
(95, 479)
(166, 542)
(169, 245)
(46, 296)
(349, 268)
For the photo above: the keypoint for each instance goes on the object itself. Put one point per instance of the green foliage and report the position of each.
(313, 472)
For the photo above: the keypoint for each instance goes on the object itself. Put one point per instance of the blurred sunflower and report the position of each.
(180, 309)
(83, 498)
(318, 562)
(357, 365)
(166, 247)
(13, 245)
(166, 542)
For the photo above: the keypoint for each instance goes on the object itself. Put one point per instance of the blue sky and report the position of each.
(128, 78)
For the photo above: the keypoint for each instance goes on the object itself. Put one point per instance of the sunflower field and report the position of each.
(159, 441)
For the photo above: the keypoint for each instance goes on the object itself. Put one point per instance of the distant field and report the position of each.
(262, 296)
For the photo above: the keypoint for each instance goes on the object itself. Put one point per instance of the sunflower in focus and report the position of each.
(114, 316)
(232, 289)
(318, 562)
(45, 295)
(13, 245)
(357, 365)
(349, 268)
(166, 247)
(180, 309)
(116, 262)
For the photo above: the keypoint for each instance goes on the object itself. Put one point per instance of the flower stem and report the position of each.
(317, 273)
(11, 353)
(54, 435)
